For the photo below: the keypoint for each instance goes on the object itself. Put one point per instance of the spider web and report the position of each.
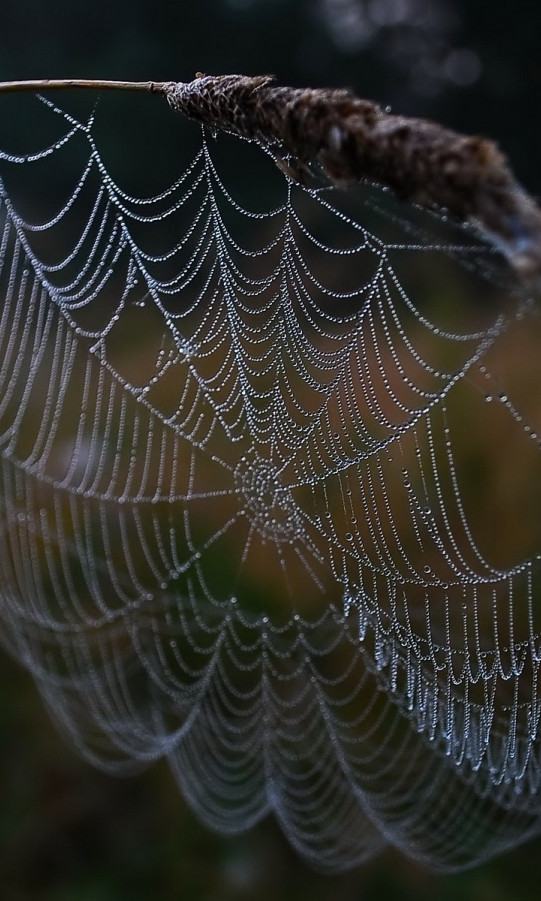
(269, 501)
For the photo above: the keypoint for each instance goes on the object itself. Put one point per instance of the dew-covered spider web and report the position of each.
(270, 492)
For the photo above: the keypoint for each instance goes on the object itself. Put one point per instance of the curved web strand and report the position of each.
(261, 507)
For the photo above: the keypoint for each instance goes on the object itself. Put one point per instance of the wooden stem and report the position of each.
(46, 84)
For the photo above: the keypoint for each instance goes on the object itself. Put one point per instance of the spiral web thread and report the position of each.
(266, 509)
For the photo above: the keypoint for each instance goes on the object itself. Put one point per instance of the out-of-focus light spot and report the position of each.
(462, 66)
(388, 12)
(416, 38)
(348, 23)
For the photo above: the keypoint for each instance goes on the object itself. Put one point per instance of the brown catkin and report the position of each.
(353, 139)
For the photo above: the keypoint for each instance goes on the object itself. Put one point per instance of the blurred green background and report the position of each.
(66, 831)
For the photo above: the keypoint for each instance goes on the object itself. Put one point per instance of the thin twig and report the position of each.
(59, 84)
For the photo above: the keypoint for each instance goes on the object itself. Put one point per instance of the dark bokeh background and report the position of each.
(67, 832)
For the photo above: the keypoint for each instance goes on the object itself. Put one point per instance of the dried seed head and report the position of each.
(354, 139)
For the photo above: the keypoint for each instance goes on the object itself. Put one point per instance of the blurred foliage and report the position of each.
(66, 831)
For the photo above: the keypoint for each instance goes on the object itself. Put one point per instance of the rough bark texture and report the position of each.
(354, 139)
